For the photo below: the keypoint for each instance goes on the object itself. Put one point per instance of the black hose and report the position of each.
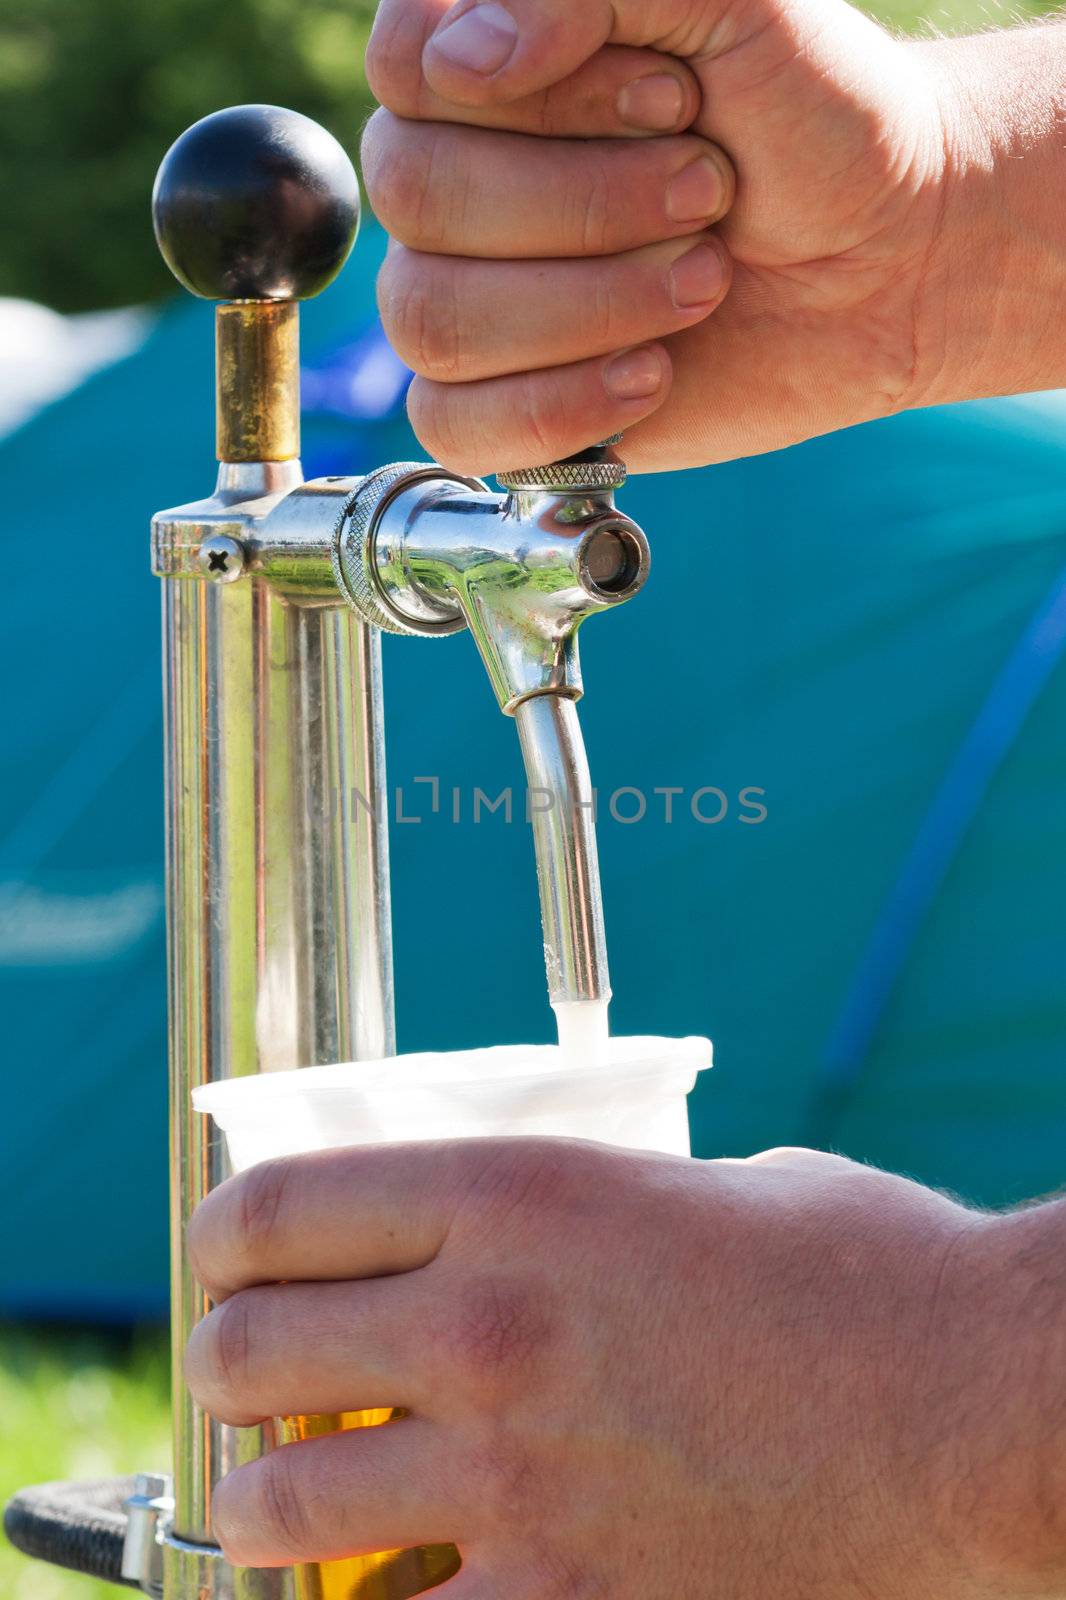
(81, 1526)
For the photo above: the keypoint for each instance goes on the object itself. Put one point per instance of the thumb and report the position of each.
(485, 52)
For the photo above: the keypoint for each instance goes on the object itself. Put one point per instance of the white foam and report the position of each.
(583, 1035)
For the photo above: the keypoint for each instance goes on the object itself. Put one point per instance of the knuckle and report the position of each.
(608, 310)
(200, 1246)
(527, 1175)
(448, 419)
(280, 1507)
(536, 1190)
(548, 111)
(593, 203)
(197, 1363)
(508, 1487)
(434, 412)
(374, 146)
(420, 312)
(538, 415)
(228, 1350)
(575, 103)
(392, 71)
(499, 1331)
(218, 1363)
(226, 1514)
(729, 183)
(260, 1197)
(558, 1576)
(404, 182)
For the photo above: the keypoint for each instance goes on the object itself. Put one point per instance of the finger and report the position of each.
(618, 93)
(296, 1348)
(536, 417)
(484, 51)
(330, 1215)
(343, 1494)
(454, 319)
(465, 191)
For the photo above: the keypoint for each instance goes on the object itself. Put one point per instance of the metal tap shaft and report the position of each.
(278, 930)
(561, 809)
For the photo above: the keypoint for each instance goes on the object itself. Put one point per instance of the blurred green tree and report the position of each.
(92, 92)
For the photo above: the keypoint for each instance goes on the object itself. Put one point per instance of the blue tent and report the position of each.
(860, 637)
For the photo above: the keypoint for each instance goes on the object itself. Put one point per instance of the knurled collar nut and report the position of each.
(567, 477)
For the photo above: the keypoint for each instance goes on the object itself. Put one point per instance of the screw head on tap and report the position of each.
(221, 558)
(256, 203)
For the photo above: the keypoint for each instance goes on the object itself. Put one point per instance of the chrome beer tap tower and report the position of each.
(275, 592)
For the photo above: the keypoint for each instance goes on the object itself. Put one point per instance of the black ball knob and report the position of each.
(256, 203)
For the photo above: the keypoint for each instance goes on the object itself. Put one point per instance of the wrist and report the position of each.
(1003, 1334)
(988, 312)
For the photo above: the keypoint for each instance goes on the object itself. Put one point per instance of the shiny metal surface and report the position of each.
(257, 373)
(568, 475)
(244, 492)
(368, 578)
(279, 941)
(148, 1511)
(221, 559)
(524, 571)
(279, 949)
(596, 468)
(562, 815)
(292, 546)
(199, 1572)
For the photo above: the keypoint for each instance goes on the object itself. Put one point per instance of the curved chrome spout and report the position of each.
(562, 813)
(422, 551)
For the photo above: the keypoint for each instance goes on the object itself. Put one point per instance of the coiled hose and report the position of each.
(81, 1526)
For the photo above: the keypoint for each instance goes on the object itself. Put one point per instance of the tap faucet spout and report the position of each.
(431, 553)
(423, 551)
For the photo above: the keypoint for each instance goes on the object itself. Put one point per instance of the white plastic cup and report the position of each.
(636, 1099)
(634, 1096)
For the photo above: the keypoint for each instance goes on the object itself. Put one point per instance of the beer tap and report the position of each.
(275, 594)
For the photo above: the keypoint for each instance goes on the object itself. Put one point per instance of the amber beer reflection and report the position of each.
(387, 1575)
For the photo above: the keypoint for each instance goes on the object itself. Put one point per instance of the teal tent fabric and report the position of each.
(827, 626)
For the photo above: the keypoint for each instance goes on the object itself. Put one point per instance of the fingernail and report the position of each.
(696, 278)
(695, 193)
(481, 40)
(634, 375)
(654, 104)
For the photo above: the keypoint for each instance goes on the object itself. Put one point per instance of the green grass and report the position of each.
(76, 1406)
(954, 16)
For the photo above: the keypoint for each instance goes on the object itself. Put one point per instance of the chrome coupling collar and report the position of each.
(354, 554)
